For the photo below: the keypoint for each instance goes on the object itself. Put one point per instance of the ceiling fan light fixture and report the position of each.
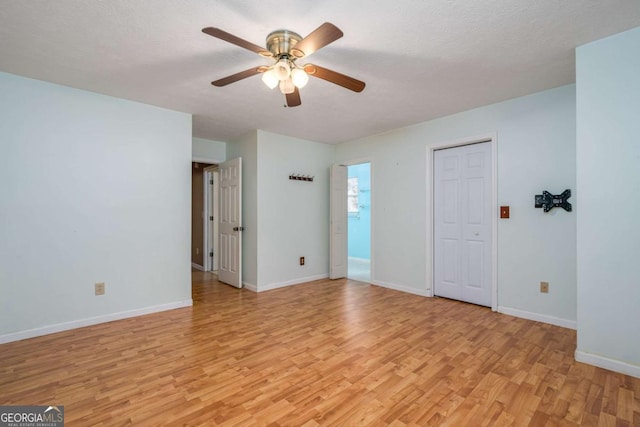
(270, 79)
(282, 69)
(299, 78)
(287, 86)
(284, 48)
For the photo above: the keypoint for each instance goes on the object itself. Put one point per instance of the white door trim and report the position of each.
(208, 160)
(210, 209)
(492, 139)
(208, 175)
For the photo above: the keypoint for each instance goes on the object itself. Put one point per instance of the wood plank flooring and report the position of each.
(337, 353)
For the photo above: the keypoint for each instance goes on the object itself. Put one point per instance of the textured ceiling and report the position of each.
(421, 59)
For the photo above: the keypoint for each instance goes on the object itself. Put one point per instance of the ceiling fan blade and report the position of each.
(223, 35)
(293, 98)
(334, 77)
(319, 38)
(238, 76)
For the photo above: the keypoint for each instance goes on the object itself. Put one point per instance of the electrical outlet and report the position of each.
(301, 260)
(544, 287)
(99, 288)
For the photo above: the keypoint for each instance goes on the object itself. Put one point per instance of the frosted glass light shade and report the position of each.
(286, 86)
(299, 77)
(282, 69)
(269, 78)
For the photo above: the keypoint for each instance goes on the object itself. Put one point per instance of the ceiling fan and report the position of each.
(286, 48)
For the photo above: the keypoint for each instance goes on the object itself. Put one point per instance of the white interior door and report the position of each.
(230, 222)
(338, 228)
(462, 223)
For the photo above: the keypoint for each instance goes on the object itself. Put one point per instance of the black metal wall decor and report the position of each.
(548, 201)
(298, 177)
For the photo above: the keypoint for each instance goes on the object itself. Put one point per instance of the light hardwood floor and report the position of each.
(323, 353)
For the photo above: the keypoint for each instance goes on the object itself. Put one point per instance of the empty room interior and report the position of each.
(332, 213)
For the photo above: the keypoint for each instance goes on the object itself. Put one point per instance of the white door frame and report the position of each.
(492, 139)
(371, 196)
(210, 209)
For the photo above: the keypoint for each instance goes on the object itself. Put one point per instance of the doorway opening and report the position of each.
(359, 221)
(216, 219)
(204, 216)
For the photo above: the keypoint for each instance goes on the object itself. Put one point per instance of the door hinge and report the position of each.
(211, 218)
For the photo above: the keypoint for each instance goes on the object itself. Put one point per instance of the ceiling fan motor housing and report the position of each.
(280, 42)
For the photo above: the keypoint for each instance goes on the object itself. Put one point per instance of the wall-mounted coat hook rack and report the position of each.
(299, 177)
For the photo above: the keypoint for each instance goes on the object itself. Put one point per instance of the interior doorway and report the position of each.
(197, 215)
(359, 221)
(203, 216)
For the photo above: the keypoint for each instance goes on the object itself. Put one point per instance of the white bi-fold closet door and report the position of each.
(462, 223)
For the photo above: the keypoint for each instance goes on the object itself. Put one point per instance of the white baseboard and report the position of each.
(197, 266)
(421, 292)
(272, 286)
(249, 286)
(544, 318)
(59, 327)
(607, 363)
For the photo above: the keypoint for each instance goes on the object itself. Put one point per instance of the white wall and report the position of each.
(535, 152)
(608, 156)
(283, 219)
(208, 151)
(247, 148)
(294, 215)
(93, 189)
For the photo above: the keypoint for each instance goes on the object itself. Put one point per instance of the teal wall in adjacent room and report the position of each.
(360, 222)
